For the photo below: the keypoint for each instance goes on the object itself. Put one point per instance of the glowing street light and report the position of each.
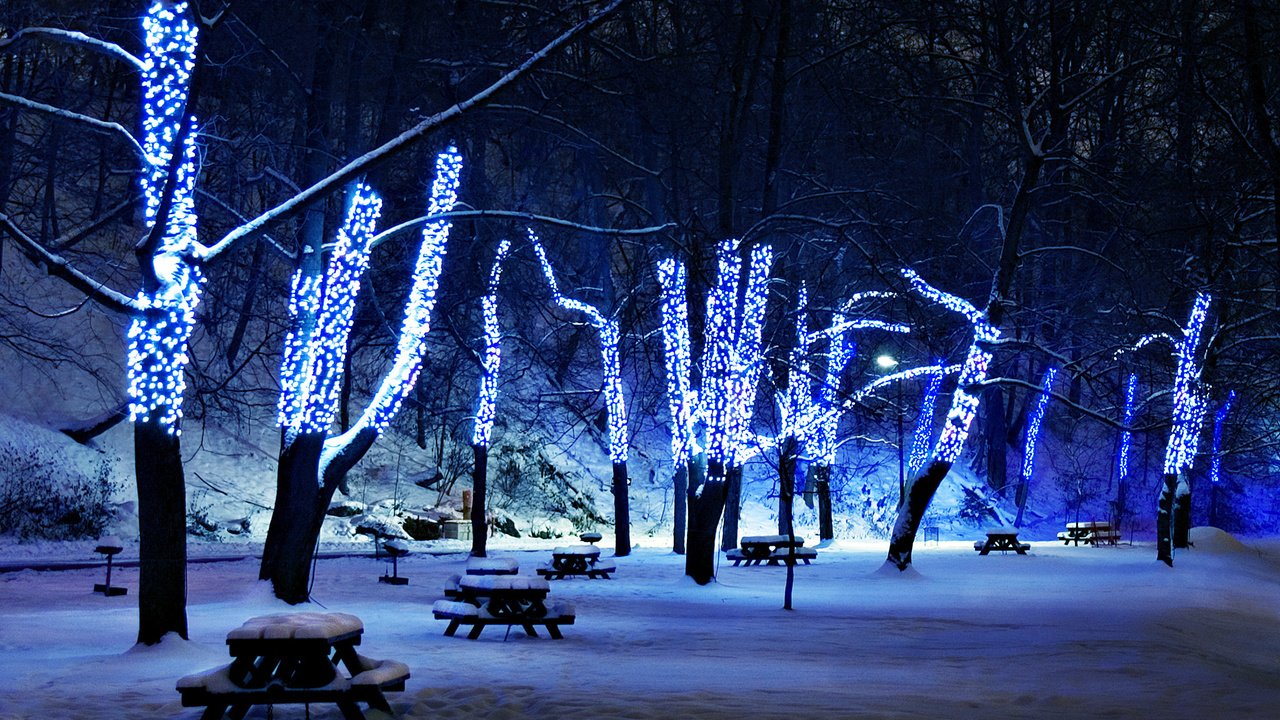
(886, 363)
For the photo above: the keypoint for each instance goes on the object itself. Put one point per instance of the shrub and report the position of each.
(43, 495)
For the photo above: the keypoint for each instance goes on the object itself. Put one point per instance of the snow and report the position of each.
(1062, 632)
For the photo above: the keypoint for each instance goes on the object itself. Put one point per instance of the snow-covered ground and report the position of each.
(1064, 632)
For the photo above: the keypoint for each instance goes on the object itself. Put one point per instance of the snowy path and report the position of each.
(1064, 633)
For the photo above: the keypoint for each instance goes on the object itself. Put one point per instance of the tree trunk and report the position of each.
(706, 501)
(1164, 520)
(1020, 497)
(822, 486)
(479, 518)
(162, 533)
(786, 495)
(681, 481)
(732, 506)
(919, 493)
(1182, 513)
(995, 431)
(621, 511)
(291, 543)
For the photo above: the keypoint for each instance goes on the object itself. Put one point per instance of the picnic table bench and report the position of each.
(771, 550)
(481, 566)
(1092, 532)
(294, 658)
(1002, 539)
(572, 560)
(509, 600)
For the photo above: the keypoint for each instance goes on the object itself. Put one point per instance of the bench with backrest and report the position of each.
(460, 613)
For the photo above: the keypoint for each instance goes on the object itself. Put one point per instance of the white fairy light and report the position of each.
(1189, 403)
(492, 359)
(675, 340)
(1126, 435)
(924, 426)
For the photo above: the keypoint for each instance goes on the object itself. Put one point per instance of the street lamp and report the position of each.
(887, 363)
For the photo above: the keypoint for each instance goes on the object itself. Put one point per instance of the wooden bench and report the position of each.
(461, 613)
(770, 550)
(1091, 532)
(573, 560)
(214, 690)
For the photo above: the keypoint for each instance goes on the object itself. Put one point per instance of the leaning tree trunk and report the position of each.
(621, 511)
(786, 497)
(162, 533)
(1164, 520)
(732, 506)
(822, 487)
(1020, 497)
(920, 491)
(1182, 513)
(291, 542)
(706, 502)
(479, 481)
(681, 482)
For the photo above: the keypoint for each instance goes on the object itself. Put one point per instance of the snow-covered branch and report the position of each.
(94, 124)
(72, 37)
(58, 266)
(513, 215)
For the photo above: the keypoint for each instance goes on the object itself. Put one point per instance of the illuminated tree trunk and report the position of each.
(680, 509)
(162, 533)
(706, 502)
(479, 482)
(920, 492)
(621, 511)
(1164, 520)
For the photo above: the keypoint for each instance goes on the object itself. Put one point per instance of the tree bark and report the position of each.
(290, 543)
(732, 506)
(479, 517)
(995, 431)
(1182, 513)
(621, 511)
(162, 533)
(920, 492)
(822, 487)
(1164, 520)
(706, 501)
(681, 482)
(786, 495)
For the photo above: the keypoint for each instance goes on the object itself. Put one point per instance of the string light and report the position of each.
(1126, 435)
(411, 345)
(312, 371)
(1219, 419)
(924, 426)
(158, 336)
(1189, 403)
(1034, 423)
(675, 341)
(716, 396)
(609, 336)
(748, 362)
(492, 359)
(795, 402)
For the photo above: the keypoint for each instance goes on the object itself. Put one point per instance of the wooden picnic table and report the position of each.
(1090, 532)
(503, 600)
(570, 560)
(771, 549)
(294, 658)
(1002, 539)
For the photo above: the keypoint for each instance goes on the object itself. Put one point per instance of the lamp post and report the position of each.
(888, 363)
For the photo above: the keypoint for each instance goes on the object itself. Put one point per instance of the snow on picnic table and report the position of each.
(1064, 632)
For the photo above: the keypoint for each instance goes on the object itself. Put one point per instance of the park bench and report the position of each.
(460, 613)
(1002, 539)
(1091, 532)
(573, 560)
(770, 550)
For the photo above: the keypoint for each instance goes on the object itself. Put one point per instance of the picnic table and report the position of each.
(1091, 532)
(1002, 539)
(109, 547)
(294, 658)
(772, 550)
(571, 560)
(503, 600)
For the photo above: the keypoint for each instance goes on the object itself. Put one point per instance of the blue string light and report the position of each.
(157, 337)
(1189, 402)
(716, 396)
(609, 336)
(924, 426)
(1126, 435)
(492, 359)
(1219, 419)
(1035, 421)
(411, 346)
(747, 358)
(312, 369)
(681, 399)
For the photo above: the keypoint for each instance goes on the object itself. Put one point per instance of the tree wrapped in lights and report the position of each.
(608, 332)
(964, 406)
(923, 431)
(1215, 467)
(712, 422)
(486, 402)
(312, 464)
(1173, 514)
(1126, 445)
(1034, 422)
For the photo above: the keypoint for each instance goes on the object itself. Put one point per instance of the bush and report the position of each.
(43, 495)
